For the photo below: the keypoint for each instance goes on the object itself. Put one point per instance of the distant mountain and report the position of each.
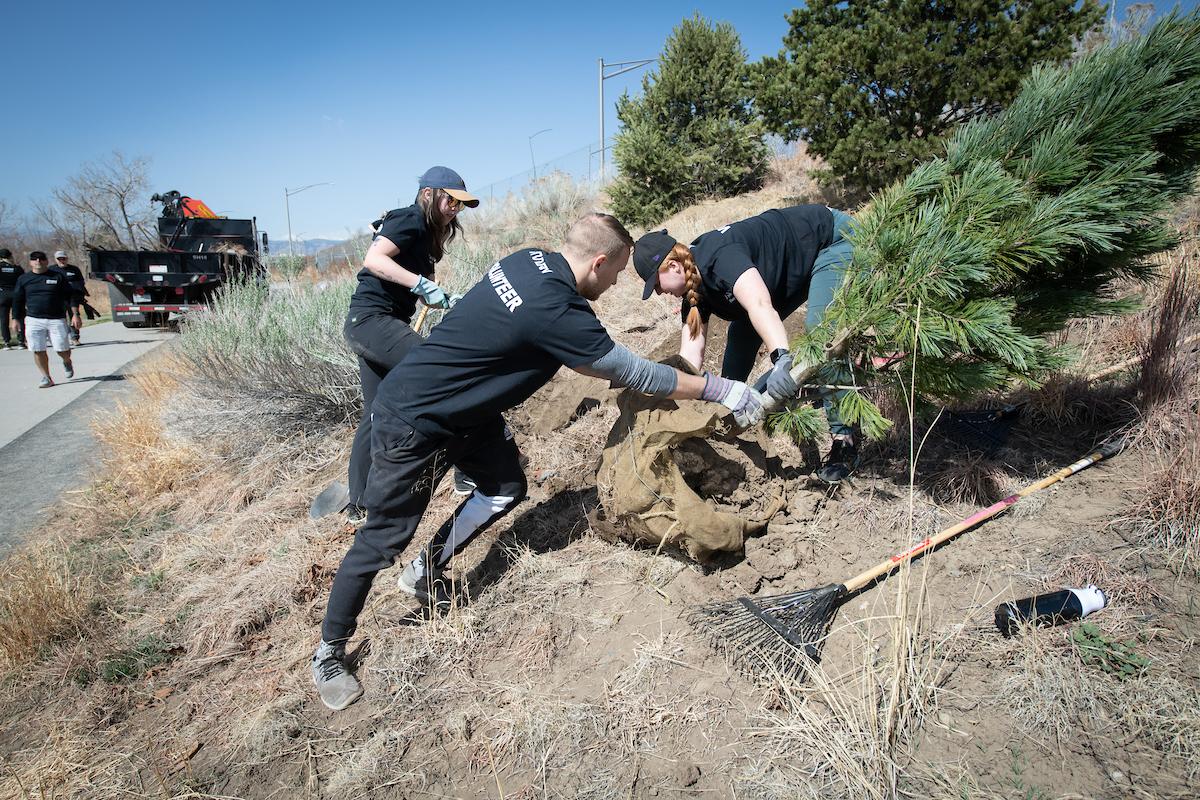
(306, 247)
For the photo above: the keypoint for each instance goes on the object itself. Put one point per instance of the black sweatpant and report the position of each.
(406, 466)
(6, 317)
(380, 342)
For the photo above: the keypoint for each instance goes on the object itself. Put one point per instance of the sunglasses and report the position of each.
(454, 203)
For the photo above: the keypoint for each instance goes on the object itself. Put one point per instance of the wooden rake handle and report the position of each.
(858, 581)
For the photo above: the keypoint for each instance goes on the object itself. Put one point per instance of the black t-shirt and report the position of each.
(501, 343)
(405, 228)
(75, 277)
(44, 296)
(782, 244)
(9, 272)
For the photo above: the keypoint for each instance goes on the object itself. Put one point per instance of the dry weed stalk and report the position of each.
(1167, 369)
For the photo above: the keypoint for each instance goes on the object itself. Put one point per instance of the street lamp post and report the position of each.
(532, 162)
(288, 205)
(621, 68)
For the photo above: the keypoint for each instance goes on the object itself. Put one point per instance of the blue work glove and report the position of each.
(777, 381)
(430, 293)
(745, 402)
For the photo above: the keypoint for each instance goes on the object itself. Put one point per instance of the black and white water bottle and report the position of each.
(1044, 610)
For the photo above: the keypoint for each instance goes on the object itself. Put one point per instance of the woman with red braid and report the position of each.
(755, 273)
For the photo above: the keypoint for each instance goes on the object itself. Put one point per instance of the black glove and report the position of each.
(777, 382)
(91, 312)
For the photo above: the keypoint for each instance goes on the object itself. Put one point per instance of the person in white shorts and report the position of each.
(44, 299)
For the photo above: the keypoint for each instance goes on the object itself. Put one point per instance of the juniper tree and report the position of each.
(873, 85)
(1027, 220)
(691, 134)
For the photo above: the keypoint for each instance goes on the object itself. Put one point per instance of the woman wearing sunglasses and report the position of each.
(397, 271)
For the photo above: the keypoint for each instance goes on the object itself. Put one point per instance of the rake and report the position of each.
(782, 635)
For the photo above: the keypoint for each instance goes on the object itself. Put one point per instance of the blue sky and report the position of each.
(234, 101)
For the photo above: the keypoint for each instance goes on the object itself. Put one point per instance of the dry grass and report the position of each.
(971, 478)
(850, 734)
(141, 460)
(1049, 692)
(1166, 512)
(1167, 370)
(560, 670)
(1123, 588)
(42, 600)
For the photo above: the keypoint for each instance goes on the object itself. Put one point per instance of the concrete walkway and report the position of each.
(46, 442)
(105, 350)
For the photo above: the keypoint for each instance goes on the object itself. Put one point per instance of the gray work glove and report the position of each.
(744, 401)
(453, 301)
(777, 381)
(430, 293)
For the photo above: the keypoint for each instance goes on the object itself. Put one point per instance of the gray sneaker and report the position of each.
(45, 383)
(421, 585)
(337, 687)
(70, 370)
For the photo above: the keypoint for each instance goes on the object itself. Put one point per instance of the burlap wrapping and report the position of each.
(643, 494)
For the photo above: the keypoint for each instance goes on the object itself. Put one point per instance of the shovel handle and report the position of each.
(858, 581)
(420, 323)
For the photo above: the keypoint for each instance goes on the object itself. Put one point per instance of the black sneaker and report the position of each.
(840, 463)
(462, 484)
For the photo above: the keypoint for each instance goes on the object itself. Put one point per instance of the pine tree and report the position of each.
(1027, 220)
(873, 85)
(691, 135)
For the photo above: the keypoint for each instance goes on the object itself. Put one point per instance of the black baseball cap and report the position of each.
(450, 182)
(648, 255)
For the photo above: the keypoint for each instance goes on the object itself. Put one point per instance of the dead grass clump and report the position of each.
(1120, 586)
(141, 461)
(1069, 400)
(970, 478)
(1167, 368)
(1166, 513)
(41, 601)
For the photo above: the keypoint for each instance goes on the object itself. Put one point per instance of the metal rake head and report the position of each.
(772, 636)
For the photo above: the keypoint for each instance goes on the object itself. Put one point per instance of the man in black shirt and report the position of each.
(78, 286)
(43, 298)
(9, 272)
(442, 407)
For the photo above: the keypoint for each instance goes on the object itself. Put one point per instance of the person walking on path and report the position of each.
(78, 285)
(9, 273)
(755, 273)
(397, 271)
(442, 407)
(43, 299)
